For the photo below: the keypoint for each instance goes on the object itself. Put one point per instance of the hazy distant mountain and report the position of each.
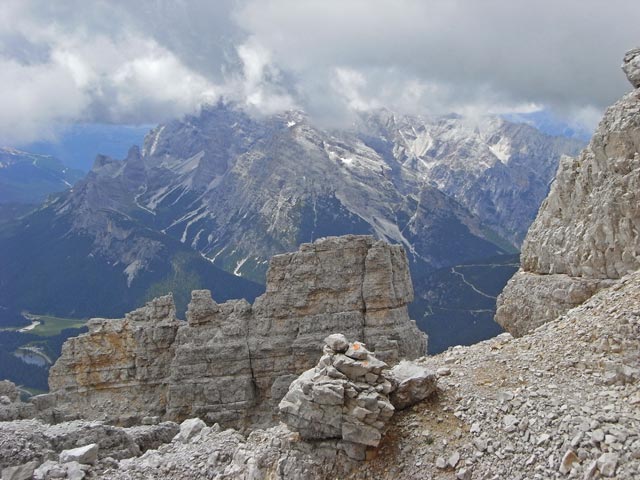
(28, 178)
(78, 144)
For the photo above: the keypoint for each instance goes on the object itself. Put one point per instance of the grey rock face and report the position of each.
(11, 407)
(120, 365)
(631, 66)
(587, 230)
(531, 299)
(231, 363)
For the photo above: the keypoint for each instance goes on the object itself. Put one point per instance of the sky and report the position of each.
(145, 62)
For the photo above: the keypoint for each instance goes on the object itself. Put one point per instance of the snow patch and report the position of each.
(135, 200)
(132, 270)
(216, 255)
(502, 150)
(239, 265)
(183, 238)
(154, 145)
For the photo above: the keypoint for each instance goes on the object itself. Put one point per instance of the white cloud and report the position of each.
(35, 99)
(147, 61)
(454, 55)
(260, 81)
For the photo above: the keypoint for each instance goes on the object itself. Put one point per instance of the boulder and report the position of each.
(413, 383)
(189, 429)
(337, 342)
(50, 470)
(20, 472)
(8, 389)
(87, 455)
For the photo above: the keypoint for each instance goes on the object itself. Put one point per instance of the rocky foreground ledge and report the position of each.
(335, 412)
(562, 402)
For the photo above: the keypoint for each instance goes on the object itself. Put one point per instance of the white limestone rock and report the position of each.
(231, 363)
(87, 454)
(354, 409)
(189, 429)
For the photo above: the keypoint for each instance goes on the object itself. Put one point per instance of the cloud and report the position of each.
(261, 84)
(57, 69)
(455, 54)
(147, 61)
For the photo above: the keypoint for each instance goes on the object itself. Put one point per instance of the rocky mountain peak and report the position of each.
(102, 161)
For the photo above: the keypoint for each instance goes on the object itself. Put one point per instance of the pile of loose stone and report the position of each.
(336, 411)
(349, 396)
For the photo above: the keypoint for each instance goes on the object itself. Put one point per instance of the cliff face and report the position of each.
(586, 235)
(232, 362)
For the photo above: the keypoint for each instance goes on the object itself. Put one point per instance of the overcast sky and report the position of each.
(145, 61)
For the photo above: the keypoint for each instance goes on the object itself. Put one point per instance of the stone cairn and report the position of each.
(350, 396)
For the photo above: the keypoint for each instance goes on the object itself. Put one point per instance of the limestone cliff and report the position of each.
(586, 235)
(233, 362)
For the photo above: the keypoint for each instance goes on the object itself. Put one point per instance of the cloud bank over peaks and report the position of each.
(151, 60)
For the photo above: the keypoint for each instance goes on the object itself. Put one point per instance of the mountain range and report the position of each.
(209, 198)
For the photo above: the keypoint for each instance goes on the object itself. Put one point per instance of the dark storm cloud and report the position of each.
(146, 61)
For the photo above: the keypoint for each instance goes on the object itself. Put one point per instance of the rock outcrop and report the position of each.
(233, 362)
(24, 441)
(587, 233)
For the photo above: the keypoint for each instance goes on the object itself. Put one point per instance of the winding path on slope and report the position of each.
(473, 287)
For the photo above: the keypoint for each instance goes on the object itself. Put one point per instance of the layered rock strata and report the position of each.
(233, 362)
(587, 233)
